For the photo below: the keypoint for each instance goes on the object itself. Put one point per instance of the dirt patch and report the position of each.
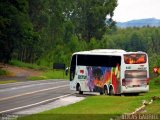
(17, 72)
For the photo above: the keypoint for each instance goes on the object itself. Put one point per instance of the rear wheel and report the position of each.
(111, 92)
(106, 90)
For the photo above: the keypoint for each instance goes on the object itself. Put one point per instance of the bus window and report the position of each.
(98, 60)
(73, 67)
(134, 58)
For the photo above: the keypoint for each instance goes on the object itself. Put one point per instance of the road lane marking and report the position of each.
(48, 100)
(30, 85)
(32, 82)
(29, 93)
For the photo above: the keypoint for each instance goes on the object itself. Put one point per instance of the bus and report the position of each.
(109, 71)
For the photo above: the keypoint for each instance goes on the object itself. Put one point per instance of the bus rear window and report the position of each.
(134, 58)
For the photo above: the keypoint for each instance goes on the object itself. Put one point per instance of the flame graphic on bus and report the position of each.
(98, 76)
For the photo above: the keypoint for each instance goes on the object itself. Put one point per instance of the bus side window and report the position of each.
(73, 67)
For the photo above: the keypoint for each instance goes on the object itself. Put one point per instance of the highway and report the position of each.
(21, 95)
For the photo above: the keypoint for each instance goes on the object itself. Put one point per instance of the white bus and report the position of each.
(109, 71)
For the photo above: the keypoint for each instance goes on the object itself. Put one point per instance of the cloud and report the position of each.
(136, 9)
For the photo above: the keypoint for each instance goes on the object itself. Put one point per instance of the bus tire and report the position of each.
(106, 90)
(79, 89)
(111, 92)
(101, 93)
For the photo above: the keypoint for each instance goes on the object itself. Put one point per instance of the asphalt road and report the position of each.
(22, 95)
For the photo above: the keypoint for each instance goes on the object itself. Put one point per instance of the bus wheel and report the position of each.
(111, 92)
(101, 93)
(79, 89)
(105, 90)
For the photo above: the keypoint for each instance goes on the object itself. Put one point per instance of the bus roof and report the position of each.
(102, 52)
(114, 52)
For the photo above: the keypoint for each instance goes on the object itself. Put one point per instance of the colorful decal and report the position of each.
(82, 77)
(134, 58)
(116, 78)
(98, 76)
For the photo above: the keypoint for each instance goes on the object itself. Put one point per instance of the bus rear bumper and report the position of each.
(135, 89)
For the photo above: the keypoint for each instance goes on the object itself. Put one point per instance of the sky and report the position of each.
(136, 9)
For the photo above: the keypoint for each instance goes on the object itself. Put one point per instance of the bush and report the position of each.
(3, 72)
(27, 65)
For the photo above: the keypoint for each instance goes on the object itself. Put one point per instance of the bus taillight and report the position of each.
(148, 81)
(123, 82)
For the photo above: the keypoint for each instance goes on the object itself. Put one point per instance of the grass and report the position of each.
(154, 108)
(47, 73)
(4, 72)
(50, 74)
(7, 81)
(56, 74)
(102, 107)
(99, 105)
(27, 65)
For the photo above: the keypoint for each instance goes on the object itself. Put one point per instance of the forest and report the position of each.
(49, 31)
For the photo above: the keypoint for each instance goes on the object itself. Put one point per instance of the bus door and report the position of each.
(72, 73)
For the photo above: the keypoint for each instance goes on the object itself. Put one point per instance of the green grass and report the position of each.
(56, 74)
(47, 73)
(102, 107)
(154, 108)
(27, 65)
(50, 74)
(7, 81)
(4, 72)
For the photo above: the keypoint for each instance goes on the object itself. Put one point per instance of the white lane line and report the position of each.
(30, 85)
(32, 82)
(29, 93)
(23, 82)
(35, 103)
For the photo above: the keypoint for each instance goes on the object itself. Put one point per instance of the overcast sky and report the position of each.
(136, 9)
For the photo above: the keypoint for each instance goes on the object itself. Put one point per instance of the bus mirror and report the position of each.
(66, 71)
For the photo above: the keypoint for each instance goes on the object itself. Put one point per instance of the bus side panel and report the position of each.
(81, 77)
(95, 77)
(116, 79)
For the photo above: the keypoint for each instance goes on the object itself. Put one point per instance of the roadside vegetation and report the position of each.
(103, 107)
(50, 74)
(4, 72)
(154, 108)
(47, 72)
(18, 63)
(7, 81)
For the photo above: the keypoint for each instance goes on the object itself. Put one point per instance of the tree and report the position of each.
(155, 38)
(135, 43)
(13, 15)
(18, 37)
(89, 17)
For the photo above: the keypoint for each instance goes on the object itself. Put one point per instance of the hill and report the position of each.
(140, 23)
